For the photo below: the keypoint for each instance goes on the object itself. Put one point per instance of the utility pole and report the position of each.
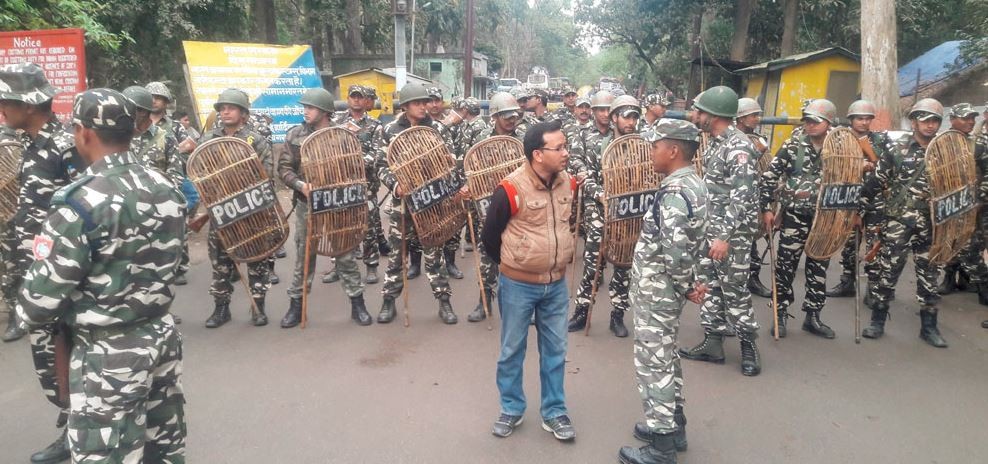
(400, 12)
(879, 75)
(468, 52)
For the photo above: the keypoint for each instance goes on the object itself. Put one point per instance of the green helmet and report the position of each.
(140, 96)
(861, 108)
(625, 101)
(926, 105)
(319, 98)
(412, 92)
(503, 102)
(233, 97)
(601, 99)
(159, 89)
(748, 106)
(719, 101)
(821, 109)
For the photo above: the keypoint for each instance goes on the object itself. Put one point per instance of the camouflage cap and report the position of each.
(159, 89)
(568, 90)
(520, 93)
(370, 92)
(25, 82)
(962, 110)
(355, 89)
(675, 129)
(469, 104)
(435, 92)
(104, 109)
(656, 99)
(583, 101)
(541, 93)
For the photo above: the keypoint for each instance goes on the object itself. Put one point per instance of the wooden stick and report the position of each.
(597, 270)
(305, 270)
(404, 272)
(857, 287)
(250, 296)
(480, 274)
(576, 235)
(775, 289)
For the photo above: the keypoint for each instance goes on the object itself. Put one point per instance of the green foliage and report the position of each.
(55, 14)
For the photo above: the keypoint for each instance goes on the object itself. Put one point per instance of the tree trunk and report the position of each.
(695, 70)
(790, 14)
(354, 41)
(879, 77)
(265, 24)
(742, 19)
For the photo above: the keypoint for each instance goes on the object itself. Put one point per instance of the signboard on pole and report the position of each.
(60, 52)
(274, 76)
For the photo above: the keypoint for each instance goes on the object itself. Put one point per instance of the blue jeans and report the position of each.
(517, 301)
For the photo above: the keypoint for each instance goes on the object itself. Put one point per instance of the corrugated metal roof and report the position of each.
(935, 65)
(792, 60)
(388, 72)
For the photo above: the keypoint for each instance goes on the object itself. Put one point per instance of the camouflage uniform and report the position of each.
(126, 399)
(290, 171)
(434, 269)
(662, 272)
(259, 272)
(799, 165)
(970, 259)
(176, 129)
(586, 162)
(731, 176)
(375, 230)
(157, 149)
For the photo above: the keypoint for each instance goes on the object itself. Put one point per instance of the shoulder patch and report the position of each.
(42, 247)
(62, 194)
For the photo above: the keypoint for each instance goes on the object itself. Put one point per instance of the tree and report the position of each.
(879, 76)
(742, 20)
(789, 17)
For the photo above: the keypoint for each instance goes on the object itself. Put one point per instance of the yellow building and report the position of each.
(781, 85)
(381, 79)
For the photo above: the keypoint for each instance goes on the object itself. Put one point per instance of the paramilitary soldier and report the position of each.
(969, 263)
(536, 107)
(623, 115)
(876, 145)
(317, 110)
(414, 99)
(748, 119)
(568, 110)
(25, 101)
(469, 128)
(233, 109)
(584, 162)
(104, 268)
(356, 119)
(655, 109)
(663, 277)
(799, 164)
(906, 215)
(152, 146)
(730, 174)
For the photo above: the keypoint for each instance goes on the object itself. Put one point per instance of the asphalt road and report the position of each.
(336, 392)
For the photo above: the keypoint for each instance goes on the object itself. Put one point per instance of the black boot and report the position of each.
(388, 311)
(372, 277)
(220, 316)
(579, 320)
(751, 360)
(928, 330)
(451, 269)
(260, 319)
(949, 284)
(384, 248)
(294, 315)
(984, 324)
(331, 276)
(879, 313)
(414, 264)
(57, 451)
(617, 324)
(815, 326)
(660, 450)
(756, 288)
(964, 281)
(711, 349)
(679, 436)
(781, 321)
(843, 289)
(446, 311)
(982, 294)
(478, 313)
(870, 299)
(14, 332)
(273, 279)
(281, 253)
(358, 311)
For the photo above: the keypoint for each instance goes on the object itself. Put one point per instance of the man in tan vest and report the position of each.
(528, 232)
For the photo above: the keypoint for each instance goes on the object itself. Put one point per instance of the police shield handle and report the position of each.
(775, 288)
(187, 146)
(196, 223)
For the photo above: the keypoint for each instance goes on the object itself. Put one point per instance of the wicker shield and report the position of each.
(698, 159)
(10, 163)
(764, 158)
(630, 184)
(487, 163)
(239, 198)
(953, 194)
(840, 192)
(333, 162)
(425, 170)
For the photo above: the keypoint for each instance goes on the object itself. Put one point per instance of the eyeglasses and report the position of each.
(554, 149)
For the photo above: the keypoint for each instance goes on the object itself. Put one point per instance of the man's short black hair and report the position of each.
(535, 137)
(688, 148)
(114, 137)
(179, 115)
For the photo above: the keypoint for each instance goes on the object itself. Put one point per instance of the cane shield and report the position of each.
(333, 163)
(630, 184)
